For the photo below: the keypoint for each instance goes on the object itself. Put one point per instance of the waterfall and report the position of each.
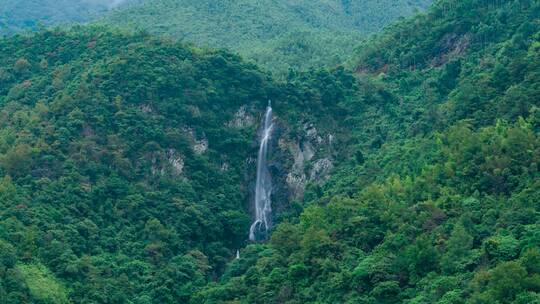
(263, 186)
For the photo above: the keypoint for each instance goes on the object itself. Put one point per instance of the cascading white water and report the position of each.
(263, 186)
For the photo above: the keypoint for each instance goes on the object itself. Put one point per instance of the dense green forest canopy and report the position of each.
(123, 163)
(440, 199)
(17, 15)
(101, 180)
(279, 34)
(123, 172)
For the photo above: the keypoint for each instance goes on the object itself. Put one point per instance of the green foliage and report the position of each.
(107, 180)
(391, 239)
(438, 202)
(275, 33)
(42, 285)
(16, 15)
(123, 172)
(99, 166)
(278, 35)
(8, 256)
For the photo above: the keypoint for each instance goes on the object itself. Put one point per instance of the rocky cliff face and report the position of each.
(312, 163)
(300, 154)
(296, 159)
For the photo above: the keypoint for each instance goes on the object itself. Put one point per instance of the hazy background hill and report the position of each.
(17, 15)
(276, 33)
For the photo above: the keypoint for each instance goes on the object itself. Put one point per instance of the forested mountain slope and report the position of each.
(276, 33)
(126, 163)
(123, 164)
(17, 15)
(440, 201)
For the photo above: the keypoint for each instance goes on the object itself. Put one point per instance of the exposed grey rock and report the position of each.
(311, 133)
(170, 162)
(201, 146)
(242, 119)
(321, 169)
(308, 151)
(176, 161)
(451, 46)
(146, 108)
(296, 178)
(156, 167)
(297, 184)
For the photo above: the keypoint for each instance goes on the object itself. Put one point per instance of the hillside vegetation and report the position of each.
(126, 161)
(17, 15)
(440, 200)
(123, 163)
(277, 34)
